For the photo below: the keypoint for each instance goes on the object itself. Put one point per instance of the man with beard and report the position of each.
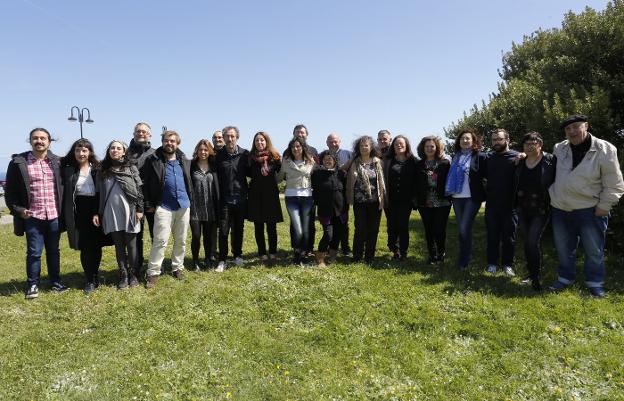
(33, 195)
(232, 170)
(588, 183)
(501, 219)
(167, 192)
(140, 149)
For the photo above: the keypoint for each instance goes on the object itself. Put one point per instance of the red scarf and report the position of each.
(263, 159)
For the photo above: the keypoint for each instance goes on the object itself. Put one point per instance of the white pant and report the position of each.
(165, 223)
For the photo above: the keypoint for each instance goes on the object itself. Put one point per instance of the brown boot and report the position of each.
(320, 259)
(332, 255)
(151, 282)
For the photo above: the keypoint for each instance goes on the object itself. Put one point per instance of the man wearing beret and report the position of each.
(588, 183)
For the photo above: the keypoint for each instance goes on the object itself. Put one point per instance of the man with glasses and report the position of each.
(140, 149)
(217, 142)
(501, 219)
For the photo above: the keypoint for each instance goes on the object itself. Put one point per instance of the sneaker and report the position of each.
(89, 288)
(179, 274)
(151, 282)
(133, 281)
(32, 292)
(491, 269)
(220, 267)
(58, 287)
(558, 286)
(597, 292)
(508, 271)
(526, 281)
(238, 261)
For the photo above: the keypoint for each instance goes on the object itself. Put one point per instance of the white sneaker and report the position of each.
(220, 267)
(238, 261)
(491, 269)
(509, 272)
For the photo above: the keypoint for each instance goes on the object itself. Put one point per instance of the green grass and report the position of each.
(391, 331)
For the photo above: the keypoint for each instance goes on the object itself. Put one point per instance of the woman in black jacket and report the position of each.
(399, 166)
(534, 175)
(205, 208)
(328, 191)
(264, 207)
(78, 172)
(433, 205)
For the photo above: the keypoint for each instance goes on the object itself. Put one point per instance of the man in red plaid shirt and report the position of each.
(33, 195)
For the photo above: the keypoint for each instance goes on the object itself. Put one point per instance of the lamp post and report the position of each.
(80, 118)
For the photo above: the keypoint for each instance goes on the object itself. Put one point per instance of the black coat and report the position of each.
(549, 170)
(422, 185)
(17, 189)
(154, 180)
(233, 171)
(69, 176)
(328, 192)
(407, 189)
(264, 205)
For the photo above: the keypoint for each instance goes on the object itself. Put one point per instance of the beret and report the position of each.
(575, 118)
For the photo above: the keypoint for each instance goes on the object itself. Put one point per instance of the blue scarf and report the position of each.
(457, 173)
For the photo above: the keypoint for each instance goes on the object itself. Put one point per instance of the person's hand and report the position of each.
(139, 216)
(601, 212)
(520, 156)
(26, 214)
(96, 220)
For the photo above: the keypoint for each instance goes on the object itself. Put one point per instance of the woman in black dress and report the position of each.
(264, 205)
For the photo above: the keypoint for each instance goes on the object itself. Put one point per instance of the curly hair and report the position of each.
(476, 139)
(436, 141)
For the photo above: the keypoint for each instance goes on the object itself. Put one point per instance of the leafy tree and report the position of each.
(577, 68)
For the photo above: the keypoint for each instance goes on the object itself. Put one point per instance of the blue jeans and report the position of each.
(500, 226)
(40, 233)
(580, 225)
(299, 208)
(465, 212)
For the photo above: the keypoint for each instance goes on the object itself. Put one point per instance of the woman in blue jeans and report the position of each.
(297, 171)
(464, 184)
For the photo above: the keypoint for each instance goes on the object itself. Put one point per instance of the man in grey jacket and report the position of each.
(588, 183)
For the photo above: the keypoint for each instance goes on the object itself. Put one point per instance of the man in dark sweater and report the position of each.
(501, 219)
(232, 170)
(140, 149)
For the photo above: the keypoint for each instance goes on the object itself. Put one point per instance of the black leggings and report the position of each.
(125, 249)
(271, 229)
(434, 219)
(199, 229)
(333, 233)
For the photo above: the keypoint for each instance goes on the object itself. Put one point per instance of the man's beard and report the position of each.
(498, 148)
(169, 150)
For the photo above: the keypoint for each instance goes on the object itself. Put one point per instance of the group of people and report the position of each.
(107, 202)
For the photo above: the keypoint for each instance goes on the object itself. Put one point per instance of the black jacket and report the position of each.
(264, 205)
(233, 171)
(69, 177)
(17, 189)
(549, 170)
(407, 187)
(421, 179)
(154, 180)
(328, 192)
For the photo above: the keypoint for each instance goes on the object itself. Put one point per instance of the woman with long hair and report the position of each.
(205, 208)
(399, 166)
(464, 184)
(264, 205)
(433, 205)
(366, 191)
(120, 209)
(297, 171)
(78, 173)
(328, 184)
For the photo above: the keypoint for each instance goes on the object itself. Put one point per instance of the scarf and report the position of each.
(457, 173)
(359, 166)
(262, 158)
(130, 183)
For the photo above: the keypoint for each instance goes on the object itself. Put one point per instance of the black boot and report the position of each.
(123, 277)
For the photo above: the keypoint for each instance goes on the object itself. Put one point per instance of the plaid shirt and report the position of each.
(42, 194)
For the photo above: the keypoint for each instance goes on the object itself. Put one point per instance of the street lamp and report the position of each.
(80, 118)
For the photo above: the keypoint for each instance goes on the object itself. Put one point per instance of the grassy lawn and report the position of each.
(391, 331)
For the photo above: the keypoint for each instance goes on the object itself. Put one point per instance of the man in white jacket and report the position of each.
(588, 183)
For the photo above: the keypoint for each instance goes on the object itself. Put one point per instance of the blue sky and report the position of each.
(350, 67)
